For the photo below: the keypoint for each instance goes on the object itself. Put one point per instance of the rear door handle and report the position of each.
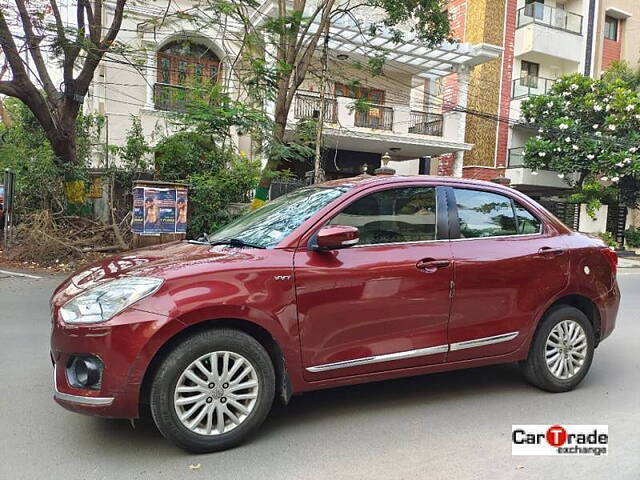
(429, 265)
(550, 252)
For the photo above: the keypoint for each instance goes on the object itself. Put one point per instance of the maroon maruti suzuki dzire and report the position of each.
(344, 282)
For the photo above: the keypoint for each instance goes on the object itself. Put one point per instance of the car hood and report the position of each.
(165, 261)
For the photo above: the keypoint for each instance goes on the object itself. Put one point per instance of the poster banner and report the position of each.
(151, 212)
(159, 210)
(181, 207)
(137, 222)
(167, 210)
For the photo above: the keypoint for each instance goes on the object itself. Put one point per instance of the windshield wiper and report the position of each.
(235, 242)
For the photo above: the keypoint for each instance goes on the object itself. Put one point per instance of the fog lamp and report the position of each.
(84, 371)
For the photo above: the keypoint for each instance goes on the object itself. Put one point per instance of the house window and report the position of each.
(375, 96)
(529, 73)
(611, 28)
(181, 65)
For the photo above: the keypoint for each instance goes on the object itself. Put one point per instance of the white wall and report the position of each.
(405, 167)
(590, 225)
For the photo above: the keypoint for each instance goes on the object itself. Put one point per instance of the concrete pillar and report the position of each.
(463, 87)
(151, 73)
(401, 117)
(346, 116)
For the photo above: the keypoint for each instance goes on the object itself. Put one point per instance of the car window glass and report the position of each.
(484, 214)
(526, 222)
(393, 216)
(270, 224)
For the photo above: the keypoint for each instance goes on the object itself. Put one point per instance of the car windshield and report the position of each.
(271, 223)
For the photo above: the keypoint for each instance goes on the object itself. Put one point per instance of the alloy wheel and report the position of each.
(566, 349)
(216, 393)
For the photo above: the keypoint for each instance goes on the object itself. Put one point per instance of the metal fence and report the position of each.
(425, 123)
(172, 98)
(6, 207)
(282, 186)
(376, 116)
(530, 86)
(308, 106)
(559, 18)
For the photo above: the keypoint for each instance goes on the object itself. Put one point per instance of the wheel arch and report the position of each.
(585, 305)
(261, 334)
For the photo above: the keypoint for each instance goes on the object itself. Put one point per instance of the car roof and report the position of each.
(368, 180)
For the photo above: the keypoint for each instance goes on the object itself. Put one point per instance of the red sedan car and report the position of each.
(345, 282)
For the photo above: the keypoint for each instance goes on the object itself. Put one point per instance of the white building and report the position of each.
(405, 119)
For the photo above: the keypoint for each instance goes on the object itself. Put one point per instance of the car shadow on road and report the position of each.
(340, 403)
(404, 393)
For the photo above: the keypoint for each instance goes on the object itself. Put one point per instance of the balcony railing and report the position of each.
(172, 98)
(308, 106)
(425, 123)
(550, 16)
(376, 116)
(516, 158)
(531, 86)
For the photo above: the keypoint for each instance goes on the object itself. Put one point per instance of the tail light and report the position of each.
(612, 257)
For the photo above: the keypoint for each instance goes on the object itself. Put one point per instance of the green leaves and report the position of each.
(210, 194)
(588, 131)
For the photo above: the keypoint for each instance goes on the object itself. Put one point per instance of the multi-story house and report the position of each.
(405, 118)
(542, 40)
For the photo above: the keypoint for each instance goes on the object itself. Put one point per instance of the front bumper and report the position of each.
(78, 399)
(121, 345)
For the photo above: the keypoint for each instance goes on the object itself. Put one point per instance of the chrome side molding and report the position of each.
(482, 342)
(421, 352)
(380, 358)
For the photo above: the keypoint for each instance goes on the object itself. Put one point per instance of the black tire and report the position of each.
(535, 368)
(174, 364)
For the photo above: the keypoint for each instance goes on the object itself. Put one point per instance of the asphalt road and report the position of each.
(451, 425)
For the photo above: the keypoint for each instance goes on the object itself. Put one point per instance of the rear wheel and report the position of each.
(213, 390)
(562, 350)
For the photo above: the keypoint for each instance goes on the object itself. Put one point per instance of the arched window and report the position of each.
(182, 64)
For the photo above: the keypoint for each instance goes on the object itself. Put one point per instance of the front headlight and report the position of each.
(104, 301)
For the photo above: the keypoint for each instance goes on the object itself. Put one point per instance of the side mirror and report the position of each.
(333, 237)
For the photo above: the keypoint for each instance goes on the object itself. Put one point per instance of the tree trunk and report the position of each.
(280, 125)
(63, 144)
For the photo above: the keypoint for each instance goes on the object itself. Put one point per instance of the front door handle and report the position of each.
(429, 265)
(550, 252)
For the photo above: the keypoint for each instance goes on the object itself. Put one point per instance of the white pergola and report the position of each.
(348, 37)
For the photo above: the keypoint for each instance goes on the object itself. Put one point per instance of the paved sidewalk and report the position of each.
(625, 262)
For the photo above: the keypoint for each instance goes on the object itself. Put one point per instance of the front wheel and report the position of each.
(562, 350)
(213, 390)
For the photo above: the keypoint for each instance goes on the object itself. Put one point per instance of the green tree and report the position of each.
(201, 153)
(37, 29)
(588, 131)
(39, 177)
(622, 70)
(279, 51)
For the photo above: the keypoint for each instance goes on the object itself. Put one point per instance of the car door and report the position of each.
(508, 264)
(384, 303)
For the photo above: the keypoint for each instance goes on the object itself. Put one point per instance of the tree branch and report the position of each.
(62, 38)
(33, 44)
(7, 87)
(115, 25)
(11, 51)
